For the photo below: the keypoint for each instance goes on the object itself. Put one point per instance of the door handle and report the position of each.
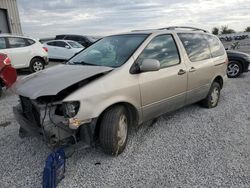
(192, 69)
(181, 72)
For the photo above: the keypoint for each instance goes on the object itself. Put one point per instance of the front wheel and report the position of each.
(36, 64)
(114, 130)
(213, 96)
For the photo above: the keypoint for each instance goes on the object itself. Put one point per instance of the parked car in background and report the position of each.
(238, 63)
(7, 73)
(121, 81)
(62, 49)
(85, 41)
(24, 52)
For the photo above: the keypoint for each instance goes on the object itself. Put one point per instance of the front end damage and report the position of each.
(42, 110)
(50, 122)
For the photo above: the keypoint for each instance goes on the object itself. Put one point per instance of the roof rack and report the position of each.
(183, 27)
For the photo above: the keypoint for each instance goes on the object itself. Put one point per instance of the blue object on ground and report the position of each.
(54, 169)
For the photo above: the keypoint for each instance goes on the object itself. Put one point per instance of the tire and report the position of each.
(36, 64)
(113, 133)
(234, 69)
(213, 96)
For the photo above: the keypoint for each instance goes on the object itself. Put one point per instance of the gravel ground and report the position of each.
(192, 147)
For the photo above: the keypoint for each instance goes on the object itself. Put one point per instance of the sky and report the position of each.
(45, 18)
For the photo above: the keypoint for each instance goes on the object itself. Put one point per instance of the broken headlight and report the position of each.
(70, 109)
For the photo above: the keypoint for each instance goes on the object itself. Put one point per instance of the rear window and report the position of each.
(217, 49)
(2, 43)
(196, 46)
(15, 42)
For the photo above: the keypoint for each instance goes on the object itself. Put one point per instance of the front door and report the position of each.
(164, 90)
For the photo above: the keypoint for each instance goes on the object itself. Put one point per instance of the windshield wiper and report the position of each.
(82, 63)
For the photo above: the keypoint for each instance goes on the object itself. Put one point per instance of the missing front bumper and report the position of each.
(57, 134)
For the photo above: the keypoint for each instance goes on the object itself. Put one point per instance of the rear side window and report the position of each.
(51, 43)
(215, 45)
(16, 42)
(196, 46)
(30, 41)
(2, 43)
(162, 48)
(61, 44)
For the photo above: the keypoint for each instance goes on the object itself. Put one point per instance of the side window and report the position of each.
(2, 43)
(196, 46)
(162, 48)
(61, 44)
(15, 42)
(51, 43)
(215, 45)
(30, 41)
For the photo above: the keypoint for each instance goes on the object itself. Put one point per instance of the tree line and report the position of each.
(226, 30)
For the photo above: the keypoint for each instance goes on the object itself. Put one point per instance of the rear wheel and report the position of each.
(36, 64)
(234, 69)
(114, 130)
(213, 96)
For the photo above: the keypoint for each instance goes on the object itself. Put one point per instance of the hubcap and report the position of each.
(122, 130)
(37, 66)
(233, 69)
(215, 96)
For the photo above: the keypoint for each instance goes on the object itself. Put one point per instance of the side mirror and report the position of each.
(148, 65)
(68, 47)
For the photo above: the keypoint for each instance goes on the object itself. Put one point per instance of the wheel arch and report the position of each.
(219, 80)
(239, 61)
(37, 57)
(131, 109)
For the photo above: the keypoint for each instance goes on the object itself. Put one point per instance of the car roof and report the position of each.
(17, 36)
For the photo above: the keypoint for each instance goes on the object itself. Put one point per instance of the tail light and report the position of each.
(45, 49)
(5, 59)
(227, 61)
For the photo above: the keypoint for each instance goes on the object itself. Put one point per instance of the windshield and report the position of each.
(111, 51)
(75, 44)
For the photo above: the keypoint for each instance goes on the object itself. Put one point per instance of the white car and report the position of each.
(62, 49)
(24, 52)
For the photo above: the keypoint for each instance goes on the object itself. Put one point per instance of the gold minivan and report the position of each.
(121, 81)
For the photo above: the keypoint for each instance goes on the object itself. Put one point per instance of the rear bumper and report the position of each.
(46, 60)
(8, 76)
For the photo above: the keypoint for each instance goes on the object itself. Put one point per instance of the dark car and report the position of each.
(86, 41)
(238, 63)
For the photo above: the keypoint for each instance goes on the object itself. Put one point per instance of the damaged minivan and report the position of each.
(119, 82)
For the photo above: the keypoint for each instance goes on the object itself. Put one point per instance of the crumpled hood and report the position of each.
(53, 80)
